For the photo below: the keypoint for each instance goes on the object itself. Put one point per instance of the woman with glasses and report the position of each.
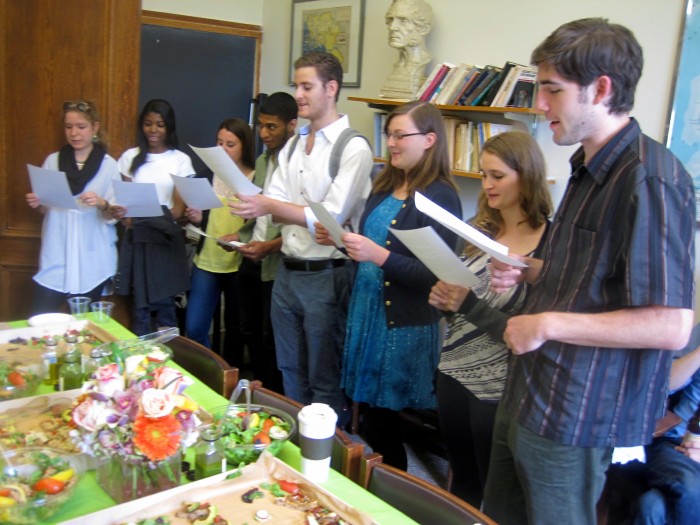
(153, 265)
(513, 208)
(392, 342)
(215, 269)
(78, 247)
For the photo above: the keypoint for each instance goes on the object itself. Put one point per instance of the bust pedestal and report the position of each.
(402, 84)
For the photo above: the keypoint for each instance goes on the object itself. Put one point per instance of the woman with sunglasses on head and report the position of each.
(392, 341)
(153, 263)
(215, 268)
(78, 247)
(513, 208)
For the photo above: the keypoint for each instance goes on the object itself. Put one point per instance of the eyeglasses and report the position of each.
(79, 105)
(397, 135)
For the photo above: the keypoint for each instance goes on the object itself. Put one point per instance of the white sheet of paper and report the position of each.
(430, 249)
(200, 231)
(52, 188)
(196, 193)
(327, 220)
(468, 233)
(223, 167)
(139, 198)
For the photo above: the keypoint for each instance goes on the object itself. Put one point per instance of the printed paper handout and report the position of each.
(430, 249)
(199, 231)
(327, 220)
(223, 167)
(196, 193)
(468, 233)
(139, 198)
(52, 188)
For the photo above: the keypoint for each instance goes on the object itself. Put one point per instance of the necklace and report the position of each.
(80, 164)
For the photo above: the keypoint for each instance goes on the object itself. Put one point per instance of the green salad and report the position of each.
(244, 435)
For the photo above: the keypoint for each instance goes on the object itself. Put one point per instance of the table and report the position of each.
(89, 496)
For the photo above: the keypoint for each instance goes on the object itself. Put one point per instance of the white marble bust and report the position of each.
(408, 22)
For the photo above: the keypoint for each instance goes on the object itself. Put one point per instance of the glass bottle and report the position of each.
(208, 454)
(50, 357)
(70, 375)
(96, 360)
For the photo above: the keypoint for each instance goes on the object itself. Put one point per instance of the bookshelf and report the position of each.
(522, 118)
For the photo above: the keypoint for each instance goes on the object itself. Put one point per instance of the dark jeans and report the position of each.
(155, 316)
(466, 425)
(535, 481)
(675, 494)
(204, 295)
(309, 311)
(47, 300)
(255, 298)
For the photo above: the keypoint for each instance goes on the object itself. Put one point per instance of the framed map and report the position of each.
(683, 132)
(334, 26)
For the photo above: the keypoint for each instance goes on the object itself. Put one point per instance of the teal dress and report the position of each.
(388, 368)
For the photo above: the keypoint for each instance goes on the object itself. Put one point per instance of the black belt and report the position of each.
(312, 265)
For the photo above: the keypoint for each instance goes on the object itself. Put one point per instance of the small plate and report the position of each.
(50, 319)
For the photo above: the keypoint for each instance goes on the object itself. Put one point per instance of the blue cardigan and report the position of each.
(407, 281)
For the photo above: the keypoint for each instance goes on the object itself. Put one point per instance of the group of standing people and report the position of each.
(543, 369)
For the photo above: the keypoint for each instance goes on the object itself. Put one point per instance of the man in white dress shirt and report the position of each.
(311, 290)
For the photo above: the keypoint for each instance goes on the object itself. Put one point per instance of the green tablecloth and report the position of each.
(89, 496)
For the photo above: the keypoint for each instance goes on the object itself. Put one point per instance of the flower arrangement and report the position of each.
(135, 413)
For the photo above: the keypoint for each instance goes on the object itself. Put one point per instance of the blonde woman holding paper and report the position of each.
(513, 208)
(78, 247)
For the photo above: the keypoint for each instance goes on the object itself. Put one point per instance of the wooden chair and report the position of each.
(419, 500)
(205, 364)
(346, 454)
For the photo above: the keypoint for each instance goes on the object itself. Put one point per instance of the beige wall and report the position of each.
(243, 11)
(473, 31)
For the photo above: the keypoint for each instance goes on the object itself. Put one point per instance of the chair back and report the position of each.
(419, 500)
(346, 453)
(206, 365)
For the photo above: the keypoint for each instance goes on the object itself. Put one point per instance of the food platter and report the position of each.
(30, 340)
(227, 496)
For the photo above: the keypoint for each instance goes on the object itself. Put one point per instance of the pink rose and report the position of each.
(109, 380)
(156, 403)
(171, 380)
(92, 414)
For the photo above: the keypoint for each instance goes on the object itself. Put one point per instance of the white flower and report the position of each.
(156, 402)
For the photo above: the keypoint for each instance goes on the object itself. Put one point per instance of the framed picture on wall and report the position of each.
(335, 26)
(683, 131)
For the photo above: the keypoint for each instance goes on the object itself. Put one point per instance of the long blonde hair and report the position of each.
(434, 165)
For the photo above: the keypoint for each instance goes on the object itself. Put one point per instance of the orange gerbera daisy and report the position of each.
(157, 438)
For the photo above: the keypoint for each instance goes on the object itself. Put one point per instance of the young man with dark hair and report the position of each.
(311, 291)
(613, 293)
(277, 119)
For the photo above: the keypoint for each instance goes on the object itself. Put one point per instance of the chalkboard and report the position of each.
(207, 77)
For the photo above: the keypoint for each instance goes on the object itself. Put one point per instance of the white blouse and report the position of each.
(78, 247)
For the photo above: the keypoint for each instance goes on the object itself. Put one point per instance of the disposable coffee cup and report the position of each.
(316, 430)
(79, 306)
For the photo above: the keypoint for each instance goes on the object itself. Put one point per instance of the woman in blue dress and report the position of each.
(392, 342)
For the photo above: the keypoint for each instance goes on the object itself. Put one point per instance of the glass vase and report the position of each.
(126, 481)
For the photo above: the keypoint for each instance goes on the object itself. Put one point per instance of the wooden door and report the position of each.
(50, 52)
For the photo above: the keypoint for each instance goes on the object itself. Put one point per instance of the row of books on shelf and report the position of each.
(464, 140)
(512, 85)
